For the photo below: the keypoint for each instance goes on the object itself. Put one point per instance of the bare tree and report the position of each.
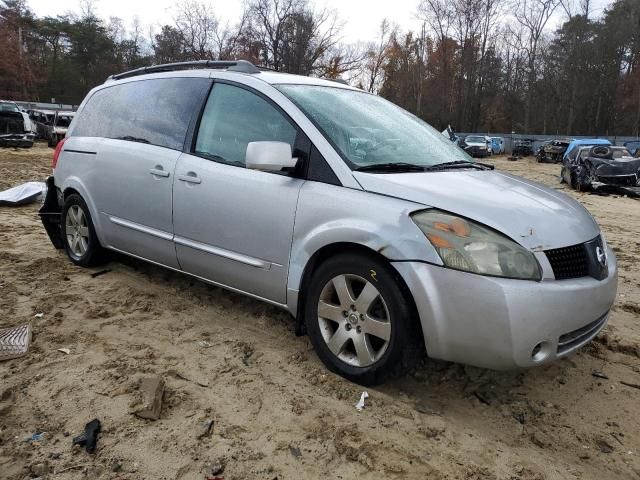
(532, 16)
(198, 26)
(292, 36)
(375, 57)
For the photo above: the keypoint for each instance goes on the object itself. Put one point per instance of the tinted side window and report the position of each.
(232, 118)
(155, 111)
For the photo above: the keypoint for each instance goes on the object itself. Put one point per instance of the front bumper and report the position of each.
(19, 140)
(497, 323)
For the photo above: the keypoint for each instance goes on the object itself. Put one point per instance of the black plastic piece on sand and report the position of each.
(89, 438)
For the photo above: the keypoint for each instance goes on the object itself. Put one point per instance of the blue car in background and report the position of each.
(634, 147)
(497, 145)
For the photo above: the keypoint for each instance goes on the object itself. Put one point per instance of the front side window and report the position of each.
(232, 118)
(368, 130)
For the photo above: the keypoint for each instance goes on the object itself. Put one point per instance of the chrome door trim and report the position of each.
(221, 252)
(141, 228)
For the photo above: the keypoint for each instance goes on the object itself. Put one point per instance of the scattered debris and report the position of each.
(89, 438)
(632, 385)
(295, 451)
(203, 382)
(148, 401)
(599, 375)
(14, 342)
(22, 194)
(64, 350)
(100, 273)
(38, 315)
(604, 446)
(207, 429)
(204, 344)
(36, 437)
(360, 404)
(213, 467)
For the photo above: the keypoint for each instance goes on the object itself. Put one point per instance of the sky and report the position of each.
(361, 18)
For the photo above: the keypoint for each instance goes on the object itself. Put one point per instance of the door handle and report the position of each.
(158, 171)
(190, 177)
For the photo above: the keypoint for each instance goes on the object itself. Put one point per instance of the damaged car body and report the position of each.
(602, 168)
(15, 126)
(522, 147)
(552, 151)
(382, 238)
(58, 127)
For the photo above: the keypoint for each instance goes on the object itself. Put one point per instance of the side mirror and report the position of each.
(270, 156)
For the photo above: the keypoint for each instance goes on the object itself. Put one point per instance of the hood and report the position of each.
(537, 217)
(619, 166)
(476, 144)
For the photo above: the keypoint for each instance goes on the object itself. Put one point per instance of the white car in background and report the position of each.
(16, 129)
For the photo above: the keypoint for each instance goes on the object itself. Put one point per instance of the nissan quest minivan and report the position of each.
(382, 238)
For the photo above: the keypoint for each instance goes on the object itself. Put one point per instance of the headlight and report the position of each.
(469, 246)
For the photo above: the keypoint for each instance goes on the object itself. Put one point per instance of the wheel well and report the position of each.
(329, 251)
(69, 191)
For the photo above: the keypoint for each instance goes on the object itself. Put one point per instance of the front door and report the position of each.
(234, 226)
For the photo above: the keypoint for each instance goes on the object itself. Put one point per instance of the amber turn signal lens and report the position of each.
(439, 242)
(460, 227)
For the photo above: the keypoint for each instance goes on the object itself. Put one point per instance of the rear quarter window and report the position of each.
(153, 111)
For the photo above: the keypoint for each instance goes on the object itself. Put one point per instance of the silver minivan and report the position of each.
(382, 238)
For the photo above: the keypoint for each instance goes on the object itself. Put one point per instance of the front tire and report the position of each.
(361, 322)
(79, 236)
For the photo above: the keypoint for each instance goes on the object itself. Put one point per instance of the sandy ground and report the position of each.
(277, 412)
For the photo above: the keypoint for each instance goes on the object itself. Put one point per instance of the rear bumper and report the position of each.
(51, 213)
(497, 323)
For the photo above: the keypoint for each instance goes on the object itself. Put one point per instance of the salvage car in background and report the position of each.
(43, 120)
(59, 126)
(602, 168)
(552, 151)
(576, 145)
(522, 147)
(476, 146)
(15, 126)
(379, 235)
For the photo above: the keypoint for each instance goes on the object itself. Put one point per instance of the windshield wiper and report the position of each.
(458, 164)
(391, 167)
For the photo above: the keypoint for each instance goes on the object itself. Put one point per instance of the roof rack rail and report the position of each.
(242, 66)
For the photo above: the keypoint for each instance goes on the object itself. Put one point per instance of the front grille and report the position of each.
(569, 262)
(572, 340)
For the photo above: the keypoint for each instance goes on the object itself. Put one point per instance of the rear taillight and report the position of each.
(56, 152)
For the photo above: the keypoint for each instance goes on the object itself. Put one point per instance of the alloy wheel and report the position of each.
(77, 231)
(354, 320)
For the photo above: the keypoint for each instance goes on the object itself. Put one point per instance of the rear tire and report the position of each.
(78, 234)
(361, 322)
